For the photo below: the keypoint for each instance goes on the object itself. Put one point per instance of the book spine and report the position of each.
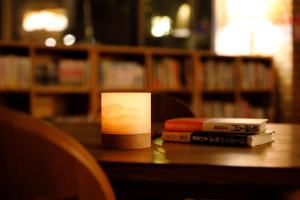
(232, 128)
(205, 138)
(214, 127)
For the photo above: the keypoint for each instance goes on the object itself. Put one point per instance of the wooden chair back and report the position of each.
(38, 161)
(164, 107)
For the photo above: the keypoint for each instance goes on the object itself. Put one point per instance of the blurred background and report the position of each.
(225, 27)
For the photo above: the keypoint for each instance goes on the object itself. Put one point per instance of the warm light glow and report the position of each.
(161, 26)
(233, 39)
(247, 9)
(69, 39)
(183, 21)
(246, 38)
(126, 113)
(181, 32)
(267, 39)
(269, 32)
(50, 42)
(244, 28)
(49, 20)
(183, 16)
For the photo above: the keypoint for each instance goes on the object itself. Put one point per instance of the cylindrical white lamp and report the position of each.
(126, 120)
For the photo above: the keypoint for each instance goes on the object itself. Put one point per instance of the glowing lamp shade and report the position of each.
(126, 120)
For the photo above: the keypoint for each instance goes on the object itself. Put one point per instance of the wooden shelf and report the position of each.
(148, 90)
(169, 52)
(15, 44)
(122, 90)
(257, 90)
(120, 49)
(15, 90)
(218, 91)
(60, 89)
(190, 64)
(171, 90)
(80, 47)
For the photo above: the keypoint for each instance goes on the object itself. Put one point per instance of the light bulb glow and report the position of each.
(161, 26)
(50, 42)
(183, 16)
(69, 39)
(49, 20)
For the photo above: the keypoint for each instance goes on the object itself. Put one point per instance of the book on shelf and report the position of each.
(166, 74)
(230, 125)
(247, 109)
(73, 72)
(218, 108)
(121, 74)
(15, 72)
(65, 72)
(256, 74)
(218, 75)
(219, 138)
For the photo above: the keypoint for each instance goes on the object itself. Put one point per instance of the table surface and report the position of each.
(262, 164)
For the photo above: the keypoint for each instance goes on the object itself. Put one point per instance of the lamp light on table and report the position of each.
(126, 120)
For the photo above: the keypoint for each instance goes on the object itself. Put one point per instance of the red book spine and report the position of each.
(184, 125)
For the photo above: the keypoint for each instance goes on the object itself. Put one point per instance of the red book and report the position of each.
(231, 125)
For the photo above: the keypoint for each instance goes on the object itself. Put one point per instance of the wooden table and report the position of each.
(168, 170)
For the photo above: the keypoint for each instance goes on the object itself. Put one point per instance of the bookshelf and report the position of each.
(171, 71)
(15, 76)
(233, 86)
(256, 87)
(60, 79)
(66, 82)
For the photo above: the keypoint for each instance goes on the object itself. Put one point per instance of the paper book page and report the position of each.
(236, 120)
(254, 140)
(263, 140)
(217, 120)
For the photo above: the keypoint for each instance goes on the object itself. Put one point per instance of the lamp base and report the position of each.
(126, 141)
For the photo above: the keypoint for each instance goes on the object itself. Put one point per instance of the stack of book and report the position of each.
(218, 131)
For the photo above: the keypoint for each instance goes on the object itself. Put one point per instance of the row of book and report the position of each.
(70, 72)
(218, 108)
(166, 74)
(117, 74)
(218, 75)
(15, 72)
(218, 131)
(256, 75)
(221, 75)
(246, 109)
(215, 108)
